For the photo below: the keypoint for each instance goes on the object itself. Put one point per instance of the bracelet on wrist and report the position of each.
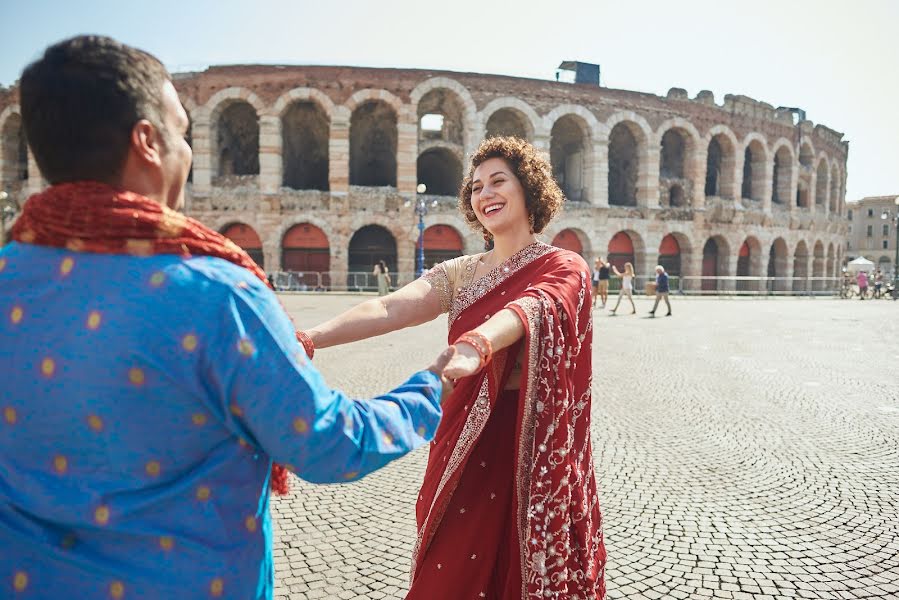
(481, 345)
(307, 343)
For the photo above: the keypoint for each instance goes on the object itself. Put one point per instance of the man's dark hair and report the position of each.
(80, 102)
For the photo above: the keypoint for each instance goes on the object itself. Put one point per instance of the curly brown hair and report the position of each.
(542, 196)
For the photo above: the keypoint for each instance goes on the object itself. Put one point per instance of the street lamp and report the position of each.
(894, 216)
(421, 209)
(8, 209)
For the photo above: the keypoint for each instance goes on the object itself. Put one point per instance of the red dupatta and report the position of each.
(89, 216)
(557, 516)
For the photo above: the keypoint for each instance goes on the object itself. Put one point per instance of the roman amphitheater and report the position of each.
(315, 171)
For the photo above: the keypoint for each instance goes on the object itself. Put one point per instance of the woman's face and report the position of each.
(497, 198)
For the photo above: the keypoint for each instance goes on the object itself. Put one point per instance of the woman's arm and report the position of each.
(502, 330)
(414, 304)
(616, 271)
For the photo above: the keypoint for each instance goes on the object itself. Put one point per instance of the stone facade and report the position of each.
(742, 188)
(870, 235)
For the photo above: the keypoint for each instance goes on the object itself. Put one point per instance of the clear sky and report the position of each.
(837, 59)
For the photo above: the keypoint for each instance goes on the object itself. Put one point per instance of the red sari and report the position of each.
(508, 508)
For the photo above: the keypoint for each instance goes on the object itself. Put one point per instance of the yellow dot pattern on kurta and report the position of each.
(20, 581)
(157, 279)
(101, 515)
(235, 410)
(136, 375)
(65, 267)
(388, 439)
(166, 542)
(198, 419)
(245, 347)
(243, 443)
(250, 523)
(95, 422)
(153, 468)
(117, 589)
(203, 493)
(300, 425)
(48, 367)
(216, 587)
(60, 464)
(93, 320)
(2, 264)
(351, 475)
(16, 314)
(10, 415)
(421, 430)
(189, 342)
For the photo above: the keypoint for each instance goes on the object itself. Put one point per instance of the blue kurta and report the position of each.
(143, 401)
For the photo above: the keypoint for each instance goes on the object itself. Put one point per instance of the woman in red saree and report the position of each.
(508, 507)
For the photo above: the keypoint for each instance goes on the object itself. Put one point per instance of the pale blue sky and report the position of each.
(837, 59)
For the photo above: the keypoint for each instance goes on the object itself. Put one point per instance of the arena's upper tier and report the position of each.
(269, 140)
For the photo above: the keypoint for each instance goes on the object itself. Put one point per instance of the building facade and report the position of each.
(315, 169)
(872, 231)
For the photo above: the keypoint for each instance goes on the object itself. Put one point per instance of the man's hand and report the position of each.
(464, 362)
(438, 368)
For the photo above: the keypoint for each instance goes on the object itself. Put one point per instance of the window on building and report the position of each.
(849, 215)
(850, 229)
(870, 212)
(886, 230)
(886, 244)
(870, 230)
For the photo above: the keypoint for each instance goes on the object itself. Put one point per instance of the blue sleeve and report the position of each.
(270, 395)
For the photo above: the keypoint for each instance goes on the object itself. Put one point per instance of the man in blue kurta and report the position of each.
(146, 393)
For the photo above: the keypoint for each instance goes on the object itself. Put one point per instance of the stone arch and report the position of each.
(628, 135)
(782, 172)
(450, 98)
(755, 161)
(818, 267)
(368, 245)
(510, 112)
(749, 264)
(721, 162)
(305, 134)
(806, 153)
(440, 170)
(800, 267)
(678, 142)
(248, 153)
(570, 152)
(573, 239)
(778, 265)
(372, 95)
(715, 263)
(303, 94)
(306, 254)
(246, 237)
(373, 143)
(822, 181)
(627, 246)
(14, 151)
(675, 253)
(442, 242)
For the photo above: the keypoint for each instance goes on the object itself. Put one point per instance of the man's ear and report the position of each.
(146, 142)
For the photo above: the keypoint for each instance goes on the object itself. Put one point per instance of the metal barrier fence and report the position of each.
(357, 281)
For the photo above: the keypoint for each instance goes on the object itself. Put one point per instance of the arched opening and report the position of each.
(800, 267)
(441, 171)
(246, 237)
(507, 122)
(568, 239)
(719, 172)
(676, 196)
(749, 264)
(782, 176)
(777, 266)
(754, 171)
(835, 192)
(373, 143)
(441, 117)
(818, 267)
(621, 250)
(624, 166)
(442, 242)
(832, 268)
(304, 150)
(15, 153)
(674, 147)
(305, 247)
(802, 193)
(821, 185)
(670, 255)
(710, 265)
(567, 151)
(369, 245)
(237, 139)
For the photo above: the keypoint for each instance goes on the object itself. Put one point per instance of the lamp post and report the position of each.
(421, 209)
(894, 216)
(8, 209)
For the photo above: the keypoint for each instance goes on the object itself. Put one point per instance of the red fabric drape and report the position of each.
(508, 508)
(90, 216)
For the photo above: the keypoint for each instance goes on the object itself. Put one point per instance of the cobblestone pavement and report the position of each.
(745, 449)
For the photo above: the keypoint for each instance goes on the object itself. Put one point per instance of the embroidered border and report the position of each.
(439, 281)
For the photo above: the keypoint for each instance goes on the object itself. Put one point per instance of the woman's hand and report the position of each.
(438, 368)
(463, 363)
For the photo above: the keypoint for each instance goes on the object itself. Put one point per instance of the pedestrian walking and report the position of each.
(627, 286)
(601, 281)
(661, 290)
(862, 280)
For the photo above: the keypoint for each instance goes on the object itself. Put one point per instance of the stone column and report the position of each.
(339, 154)
(270, 165)
(794, 188)
(768, 186)
(202, 147)
(702, 159)
(35, 181)
(407, 150)
(648, 176)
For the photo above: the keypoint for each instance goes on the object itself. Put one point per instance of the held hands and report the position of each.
(466, 361)
(439, 369)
